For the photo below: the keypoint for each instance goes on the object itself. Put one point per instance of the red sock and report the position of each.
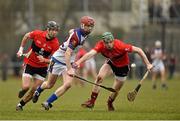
(94, 96)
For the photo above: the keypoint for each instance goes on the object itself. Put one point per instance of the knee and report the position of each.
(25, 87)
(67, 85)
(49, 85)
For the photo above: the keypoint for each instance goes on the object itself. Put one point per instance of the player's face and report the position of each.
(52, 33)
(87, 29)
(109, 44)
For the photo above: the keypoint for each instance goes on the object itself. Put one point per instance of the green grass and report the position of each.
(149, 104)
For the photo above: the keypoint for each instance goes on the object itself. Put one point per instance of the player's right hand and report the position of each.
(149, 67)
(20, 52)
(75, 65)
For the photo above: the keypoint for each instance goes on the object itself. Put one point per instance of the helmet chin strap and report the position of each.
(49, 37)
(86, 32)
(82, 26)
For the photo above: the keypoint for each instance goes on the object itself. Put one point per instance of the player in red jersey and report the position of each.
(116, 53)
(44, 44)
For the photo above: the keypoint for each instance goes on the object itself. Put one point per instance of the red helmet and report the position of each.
(88, 21)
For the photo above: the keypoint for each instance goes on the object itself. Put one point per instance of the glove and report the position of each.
(20, 52)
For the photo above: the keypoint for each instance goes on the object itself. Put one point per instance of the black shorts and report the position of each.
(42, 71)
(119, 71)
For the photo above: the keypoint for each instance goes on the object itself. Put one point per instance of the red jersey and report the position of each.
(41, 46)
(118, 55)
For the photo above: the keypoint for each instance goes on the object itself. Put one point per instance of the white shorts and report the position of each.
(158, 66)
(56, 68)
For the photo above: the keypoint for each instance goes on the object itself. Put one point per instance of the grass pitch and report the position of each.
(149, 104)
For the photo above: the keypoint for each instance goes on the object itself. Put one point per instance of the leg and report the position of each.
(162, 73)
(26, 82)
(104, 71)
(154, 76)
(45, 85)
(67, 83)
(50, 82)
(29, 95)
(36, 83)
(118, 83)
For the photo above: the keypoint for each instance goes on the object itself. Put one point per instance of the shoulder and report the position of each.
(36, 32)
(99, 44)
(117, 41)
(73, 33)
(55, 41)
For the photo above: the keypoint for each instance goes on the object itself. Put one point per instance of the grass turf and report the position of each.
(150, 104)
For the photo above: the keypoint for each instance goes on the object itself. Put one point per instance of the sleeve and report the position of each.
(127, 47)
(33, 33)
(73, 42)
(98, 47)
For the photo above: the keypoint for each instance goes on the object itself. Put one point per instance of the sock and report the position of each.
(22, 103)
(52, 98)
(94, 96)
(39, 89)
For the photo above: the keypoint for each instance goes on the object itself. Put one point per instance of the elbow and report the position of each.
(26, 36)
(137, 49)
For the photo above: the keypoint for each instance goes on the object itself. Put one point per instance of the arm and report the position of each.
(47, 60)
(143, 56)
(23, 43)
(67, 58)
(42, 59)
(86, 56)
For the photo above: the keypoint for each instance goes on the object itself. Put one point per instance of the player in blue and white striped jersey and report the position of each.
(61, 62)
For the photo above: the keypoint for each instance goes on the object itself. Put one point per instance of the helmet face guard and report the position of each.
(107, 37)
(52, 25)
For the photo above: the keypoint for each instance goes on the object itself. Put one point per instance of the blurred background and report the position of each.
(140, 22)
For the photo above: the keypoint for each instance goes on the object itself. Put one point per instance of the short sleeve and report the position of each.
(73, 42)
(34, 33)
(99, 46)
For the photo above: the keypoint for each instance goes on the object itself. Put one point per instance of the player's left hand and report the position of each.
(20, 52)
(71, 71)
(41, 58)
